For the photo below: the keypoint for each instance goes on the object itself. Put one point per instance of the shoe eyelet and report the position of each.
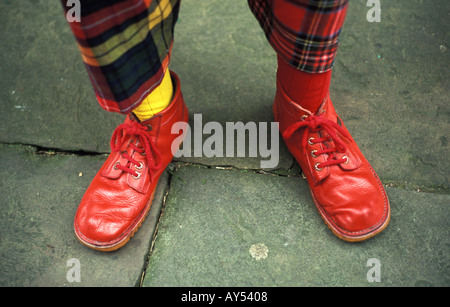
(149, 127)
(138, 175)
(115, 165)
(313, 153)
(310, 141)
(304, 117)
(346, 159)
(317, 167)
(140, 166)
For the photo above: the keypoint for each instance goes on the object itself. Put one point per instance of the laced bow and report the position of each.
(141, 132)
(316, 123)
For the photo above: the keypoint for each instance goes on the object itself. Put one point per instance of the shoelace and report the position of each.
(141, 132)
(316, 123)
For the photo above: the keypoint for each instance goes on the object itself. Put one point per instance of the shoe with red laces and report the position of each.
(346, 190)
(120, 195)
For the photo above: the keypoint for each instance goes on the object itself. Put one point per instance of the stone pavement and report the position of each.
(224, 221)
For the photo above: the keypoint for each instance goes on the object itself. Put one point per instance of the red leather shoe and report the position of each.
(120, 195)
(346, 190)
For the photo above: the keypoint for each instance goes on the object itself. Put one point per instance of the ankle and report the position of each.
(306, 89)
(157, 100)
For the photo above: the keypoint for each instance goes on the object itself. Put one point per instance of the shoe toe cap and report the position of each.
(101, 229)
(359, 220)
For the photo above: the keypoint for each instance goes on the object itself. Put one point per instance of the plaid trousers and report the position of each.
(126, 44)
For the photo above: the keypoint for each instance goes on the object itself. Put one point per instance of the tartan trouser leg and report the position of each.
(125, 46)
(303, 32)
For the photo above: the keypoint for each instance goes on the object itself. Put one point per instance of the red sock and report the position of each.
(306, 89)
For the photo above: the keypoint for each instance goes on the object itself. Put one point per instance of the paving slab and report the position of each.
(46, 97)
(40, 195)
(391, 90)
(227, 228)
(388, 83)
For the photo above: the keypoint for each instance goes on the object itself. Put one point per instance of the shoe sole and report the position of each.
(126, 238)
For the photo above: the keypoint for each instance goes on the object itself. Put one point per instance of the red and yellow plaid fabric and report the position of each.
(303, 32)
(126, 44)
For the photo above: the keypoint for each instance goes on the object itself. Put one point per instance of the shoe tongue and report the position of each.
(147, 123)
(134, 118)
(324, 105)
(305, 112)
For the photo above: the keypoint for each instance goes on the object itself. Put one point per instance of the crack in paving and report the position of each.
(293, 171)
(51, 151)
(155, 232)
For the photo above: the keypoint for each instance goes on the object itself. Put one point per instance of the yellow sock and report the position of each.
(157, 101)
